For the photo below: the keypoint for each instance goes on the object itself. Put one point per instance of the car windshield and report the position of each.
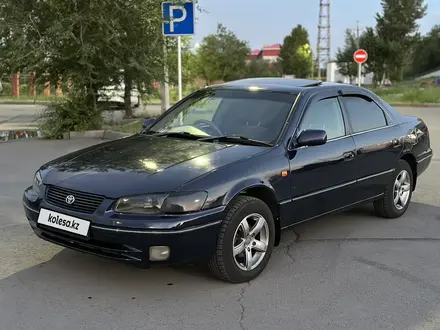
(253, 115)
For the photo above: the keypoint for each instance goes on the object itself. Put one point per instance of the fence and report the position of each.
(21, 85)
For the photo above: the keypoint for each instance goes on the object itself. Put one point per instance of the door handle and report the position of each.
(349, 155)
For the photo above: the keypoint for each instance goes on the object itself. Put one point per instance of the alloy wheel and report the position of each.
(402, 189)
(250, 243)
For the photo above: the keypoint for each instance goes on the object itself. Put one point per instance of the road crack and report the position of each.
(401, 274)
(288, 252)
(8, 120)
(240, 301)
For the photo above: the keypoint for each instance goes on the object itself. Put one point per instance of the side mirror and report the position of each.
(311, 137)
(147, 122)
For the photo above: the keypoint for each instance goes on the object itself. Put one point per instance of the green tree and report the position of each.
(222, 56)
(294, 60)
(137, 25)
(344, 56)
(376, 50)
(426, 55)
(91, 43)
(397, 29)
(262, 68)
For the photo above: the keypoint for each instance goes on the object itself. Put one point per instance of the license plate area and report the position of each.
(63, 223)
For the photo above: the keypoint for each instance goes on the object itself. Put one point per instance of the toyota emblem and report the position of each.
(70, 199)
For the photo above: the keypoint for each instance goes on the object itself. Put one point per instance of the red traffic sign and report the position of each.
(360, 56)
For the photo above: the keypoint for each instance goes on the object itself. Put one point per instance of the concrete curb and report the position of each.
(4, 128)
(25, 103)
(415, 105)
(98, 134)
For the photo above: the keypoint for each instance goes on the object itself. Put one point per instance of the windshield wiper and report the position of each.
(178, 135)
(237, 139)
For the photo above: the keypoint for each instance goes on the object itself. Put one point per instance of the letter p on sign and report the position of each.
(176, 20)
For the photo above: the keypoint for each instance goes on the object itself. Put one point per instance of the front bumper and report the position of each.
(192, 238)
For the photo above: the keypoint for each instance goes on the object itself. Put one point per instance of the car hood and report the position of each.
(140, 164)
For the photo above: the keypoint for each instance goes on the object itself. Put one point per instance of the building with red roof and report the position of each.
(269, 53)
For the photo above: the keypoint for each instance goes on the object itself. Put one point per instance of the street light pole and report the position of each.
(358, 46)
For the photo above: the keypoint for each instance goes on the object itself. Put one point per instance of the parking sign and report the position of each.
(178, 19)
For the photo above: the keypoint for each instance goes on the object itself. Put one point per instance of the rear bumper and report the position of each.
(132, 245)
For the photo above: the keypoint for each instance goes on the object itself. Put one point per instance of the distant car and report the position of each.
(218, 176)
(115, 95)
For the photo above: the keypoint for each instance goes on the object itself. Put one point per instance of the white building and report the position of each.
(333, 75)
(432, 74)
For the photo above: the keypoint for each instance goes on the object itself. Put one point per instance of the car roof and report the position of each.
(289, 85)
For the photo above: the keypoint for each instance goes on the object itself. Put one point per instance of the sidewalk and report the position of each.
(15, 117)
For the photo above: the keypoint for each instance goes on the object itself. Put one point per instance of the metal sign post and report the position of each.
(178, 21)
(179, 65)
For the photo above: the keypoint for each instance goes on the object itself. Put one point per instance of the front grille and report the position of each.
(112, 251)
(84, 202)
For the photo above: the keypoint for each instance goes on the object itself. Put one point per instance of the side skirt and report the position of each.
(338, 210)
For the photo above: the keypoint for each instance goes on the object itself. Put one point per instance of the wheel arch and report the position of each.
(264, 192)
(411, 160)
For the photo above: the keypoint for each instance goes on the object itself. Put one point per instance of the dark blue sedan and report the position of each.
(219, 175)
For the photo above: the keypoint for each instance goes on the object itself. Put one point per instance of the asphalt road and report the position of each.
(15, 115)
(348, 271)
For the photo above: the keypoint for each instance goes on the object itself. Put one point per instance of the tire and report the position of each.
(223, 264)
(386, 206)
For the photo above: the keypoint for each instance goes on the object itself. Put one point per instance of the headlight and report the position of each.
(140, 204)
(37, 182)
(181, 202)
(184, 202)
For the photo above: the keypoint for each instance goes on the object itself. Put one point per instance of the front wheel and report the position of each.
(398, 193)
(245, 241)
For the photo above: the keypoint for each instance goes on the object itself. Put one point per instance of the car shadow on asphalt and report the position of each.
(76, 269)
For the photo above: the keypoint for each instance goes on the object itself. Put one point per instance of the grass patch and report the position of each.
(409, 94)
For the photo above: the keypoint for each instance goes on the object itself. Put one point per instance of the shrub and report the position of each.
(7, 89)
(71, 114)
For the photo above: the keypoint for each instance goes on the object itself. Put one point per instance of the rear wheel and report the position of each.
(398, 193)
(245, 241)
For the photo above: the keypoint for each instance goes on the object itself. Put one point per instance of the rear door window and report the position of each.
(364, 113)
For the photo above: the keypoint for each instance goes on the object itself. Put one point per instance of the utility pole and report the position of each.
(358, 47)
(324, 35)
(358, 35)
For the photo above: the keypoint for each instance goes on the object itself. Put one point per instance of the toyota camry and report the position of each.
(220, 175)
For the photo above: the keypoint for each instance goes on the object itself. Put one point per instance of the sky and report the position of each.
(264, 22)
